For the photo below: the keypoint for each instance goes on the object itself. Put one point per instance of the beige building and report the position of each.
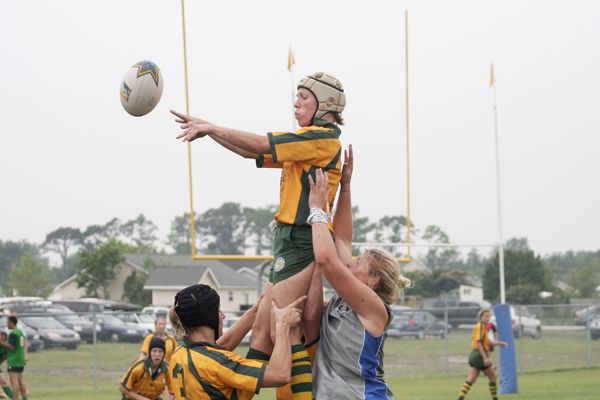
(235, 281)
(238, 288)
(68, 289)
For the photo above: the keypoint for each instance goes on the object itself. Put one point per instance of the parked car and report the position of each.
(62, 314)
(142, 320)
(459, 312)
(156, 310)
(417, 324)
(591, 313)
(523, 322)
(16, 300)
(34, 343)
(228, 323)
(88, 305)
(80, 325)
(53, 333)
(595, 329)
(115, 330)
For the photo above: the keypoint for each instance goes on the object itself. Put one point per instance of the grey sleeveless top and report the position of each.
(349, 360)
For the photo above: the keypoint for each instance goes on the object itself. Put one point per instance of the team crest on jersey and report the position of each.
(279, 264)
(285, 176)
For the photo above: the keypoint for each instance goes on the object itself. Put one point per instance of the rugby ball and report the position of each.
(141, 88)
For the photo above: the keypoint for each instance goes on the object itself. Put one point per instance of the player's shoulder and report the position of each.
(137, 364)
(324, 129)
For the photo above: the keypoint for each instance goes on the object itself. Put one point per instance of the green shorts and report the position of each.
(476, 361)
(292, 251)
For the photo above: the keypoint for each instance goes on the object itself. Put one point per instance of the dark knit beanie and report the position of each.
(157, 342)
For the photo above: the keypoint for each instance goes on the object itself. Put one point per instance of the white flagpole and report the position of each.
(500, 238)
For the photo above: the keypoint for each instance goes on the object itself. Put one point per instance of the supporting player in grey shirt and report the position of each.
(349, 360)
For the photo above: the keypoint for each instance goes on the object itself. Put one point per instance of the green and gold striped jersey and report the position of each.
(140, 378)
(204, 371)
(299, 154)
(479, 334)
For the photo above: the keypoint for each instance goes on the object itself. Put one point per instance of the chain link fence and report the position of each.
(420, 342)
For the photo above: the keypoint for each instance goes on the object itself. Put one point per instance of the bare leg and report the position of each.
(473, 375)
(24, 391)
(490, 373)
(284, 293)
(493, 385)
(261, 332)
(290, 289)
(14, 384)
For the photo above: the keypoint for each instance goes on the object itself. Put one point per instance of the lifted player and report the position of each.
(319, 103)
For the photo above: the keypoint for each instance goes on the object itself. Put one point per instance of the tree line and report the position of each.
(92, 252)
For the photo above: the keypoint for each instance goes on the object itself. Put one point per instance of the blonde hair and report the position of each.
(483, 311)
(385, 267)
(179, 329)
(338, 118)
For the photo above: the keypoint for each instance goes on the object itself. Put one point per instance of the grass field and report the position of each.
(415, 369)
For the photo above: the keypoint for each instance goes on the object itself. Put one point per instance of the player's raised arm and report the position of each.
(342, 220)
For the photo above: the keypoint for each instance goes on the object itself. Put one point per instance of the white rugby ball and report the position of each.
(141, 88)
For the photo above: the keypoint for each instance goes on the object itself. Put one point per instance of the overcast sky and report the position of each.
(71, 156)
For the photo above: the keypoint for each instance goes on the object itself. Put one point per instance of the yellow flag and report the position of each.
(291, 59)
(492, 77)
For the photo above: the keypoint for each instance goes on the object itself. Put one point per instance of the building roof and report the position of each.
(178, 260)
(180, 277)
(136, 266)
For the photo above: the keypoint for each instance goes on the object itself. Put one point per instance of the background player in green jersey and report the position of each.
(16, 358)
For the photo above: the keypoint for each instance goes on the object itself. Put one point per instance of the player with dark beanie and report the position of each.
(204, 365)
(148, 377)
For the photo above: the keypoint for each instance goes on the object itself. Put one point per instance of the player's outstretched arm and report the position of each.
(234, 335)
(342, 220)
(249, 142)
(234, 149)
(185, 119)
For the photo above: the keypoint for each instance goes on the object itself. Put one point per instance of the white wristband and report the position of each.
(317, 216)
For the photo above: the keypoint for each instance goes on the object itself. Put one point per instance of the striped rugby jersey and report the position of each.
(299, 154)
(479, 334)
(141, 380)
(203, 371)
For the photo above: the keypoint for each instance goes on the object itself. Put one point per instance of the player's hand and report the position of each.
(185, 119)
(192, 131)
(319, 189)
(486, 361)
(347, 168)
(290, 315)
